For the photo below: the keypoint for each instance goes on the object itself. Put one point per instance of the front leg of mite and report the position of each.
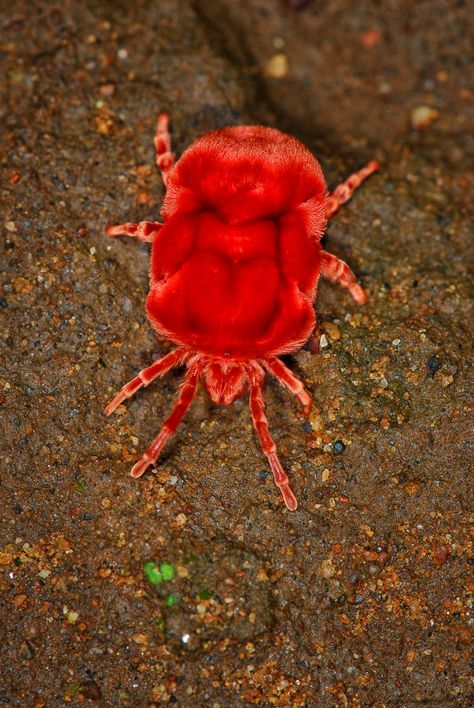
(182, 404)
(257, 408)
(287, 378)
(146, 376)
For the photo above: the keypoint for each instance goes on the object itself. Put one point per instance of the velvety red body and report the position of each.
(235, 267)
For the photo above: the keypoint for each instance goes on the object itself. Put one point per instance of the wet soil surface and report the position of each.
(361, 596)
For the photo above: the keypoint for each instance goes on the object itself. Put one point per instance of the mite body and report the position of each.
(234, 270)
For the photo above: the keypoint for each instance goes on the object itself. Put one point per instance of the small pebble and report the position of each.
(327, 568)
(126, 304)
(107, 90)
(72, 616)
(21, 286)
(277, 66)
(370, 38)
(423, 116)
(411, 488)
(332, 330)
(19, 600)
(140, 639)
(338, 447)
(447, 380)
(440, 554)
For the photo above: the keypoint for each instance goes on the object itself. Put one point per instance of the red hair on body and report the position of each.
(235, 267)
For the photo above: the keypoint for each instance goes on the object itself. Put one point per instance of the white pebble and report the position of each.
(323, 342)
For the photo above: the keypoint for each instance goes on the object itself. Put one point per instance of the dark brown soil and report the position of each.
(361, 596)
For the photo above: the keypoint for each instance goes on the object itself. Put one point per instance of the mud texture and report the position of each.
(361, 596)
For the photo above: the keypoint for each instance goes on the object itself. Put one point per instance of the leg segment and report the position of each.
(339, 272)
(290, 381)
(344, 191)
(181, 406)
(147, 230)
(257, 408)
(164, 156)
(144, 231)
(146, 376)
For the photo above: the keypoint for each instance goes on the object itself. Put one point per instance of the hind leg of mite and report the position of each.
(346, 189)
(164, 158)
(336, 270)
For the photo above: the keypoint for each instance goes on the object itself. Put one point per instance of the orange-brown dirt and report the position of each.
(361, 596)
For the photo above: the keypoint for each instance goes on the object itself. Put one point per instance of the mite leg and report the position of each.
(257, 408)
(339, 272)
(344, 191)
(146, 376)
(144, 231)
(164, 156)
(181, 406)
(290, 381)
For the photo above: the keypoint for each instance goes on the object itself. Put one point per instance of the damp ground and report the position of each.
(195, 586)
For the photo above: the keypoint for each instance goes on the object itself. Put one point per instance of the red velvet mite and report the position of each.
(235, 267)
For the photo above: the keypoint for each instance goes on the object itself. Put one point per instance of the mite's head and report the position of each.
(246, 173)
(225, 381)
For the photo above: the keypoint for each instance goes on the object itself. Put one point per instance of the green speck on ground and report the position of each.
(167, 571)
(171, 600)
(156, 575)
(152, 573)
(206, 594)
